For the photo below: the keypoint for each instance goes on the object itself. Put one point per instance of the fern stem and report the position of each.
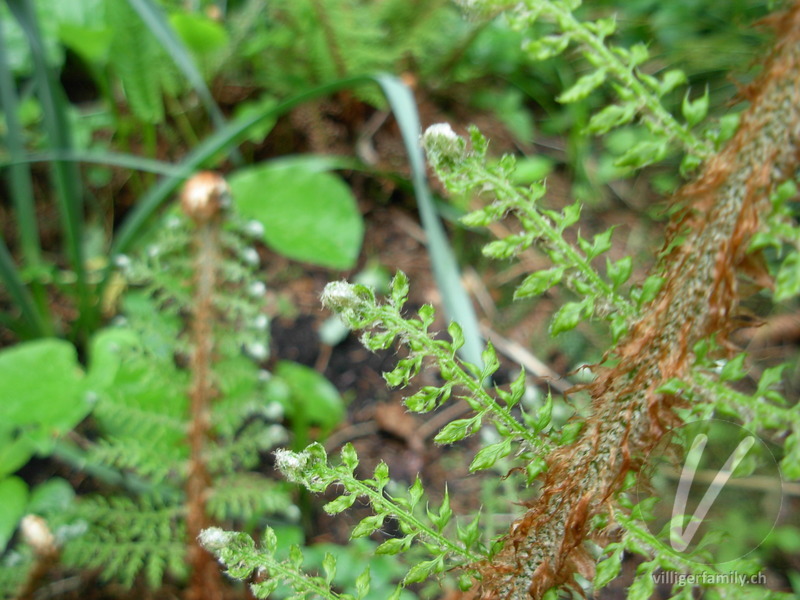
(725, 206)
(202, 201)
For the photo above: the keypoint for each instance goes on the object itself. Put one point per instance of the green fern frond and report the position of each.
(14, 568)
(124, 418)
(141, 64)
(154, 461)
(245, 496)
(126, 537)
(243, 452)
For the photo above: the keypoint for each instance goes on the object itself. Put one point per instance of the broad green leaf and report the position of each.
(199, 33)
(312, 398)
(307, 216)
(15, 451)
(13, 500)
(41, 384)
(92, 44)
(107, 352)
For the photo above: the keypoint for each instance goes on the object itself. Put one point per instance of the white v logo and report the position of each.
(680, 538)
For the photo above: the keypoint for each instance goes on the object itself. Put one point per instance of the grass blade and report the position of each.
(20, 187)
(311, 162)
(64, 175)
(445, 269)
(115, 159)
(21, 191)
(37, 326)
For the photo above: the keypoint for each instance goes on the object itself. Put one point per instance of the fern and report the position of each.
(128, 537)
(140, 63)
(143, 381)
(670, 361)
(331, 39)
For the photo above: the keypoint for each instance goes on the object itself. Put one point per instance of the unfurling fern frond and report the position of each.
(148, 376)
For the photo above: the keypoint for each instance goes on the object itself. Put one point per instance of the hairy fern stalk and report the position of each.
(182, 413)
(668, 333)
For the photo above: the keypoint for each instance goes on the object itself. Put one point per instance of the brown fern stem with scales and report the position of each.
(706, 245)
(203, 199)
